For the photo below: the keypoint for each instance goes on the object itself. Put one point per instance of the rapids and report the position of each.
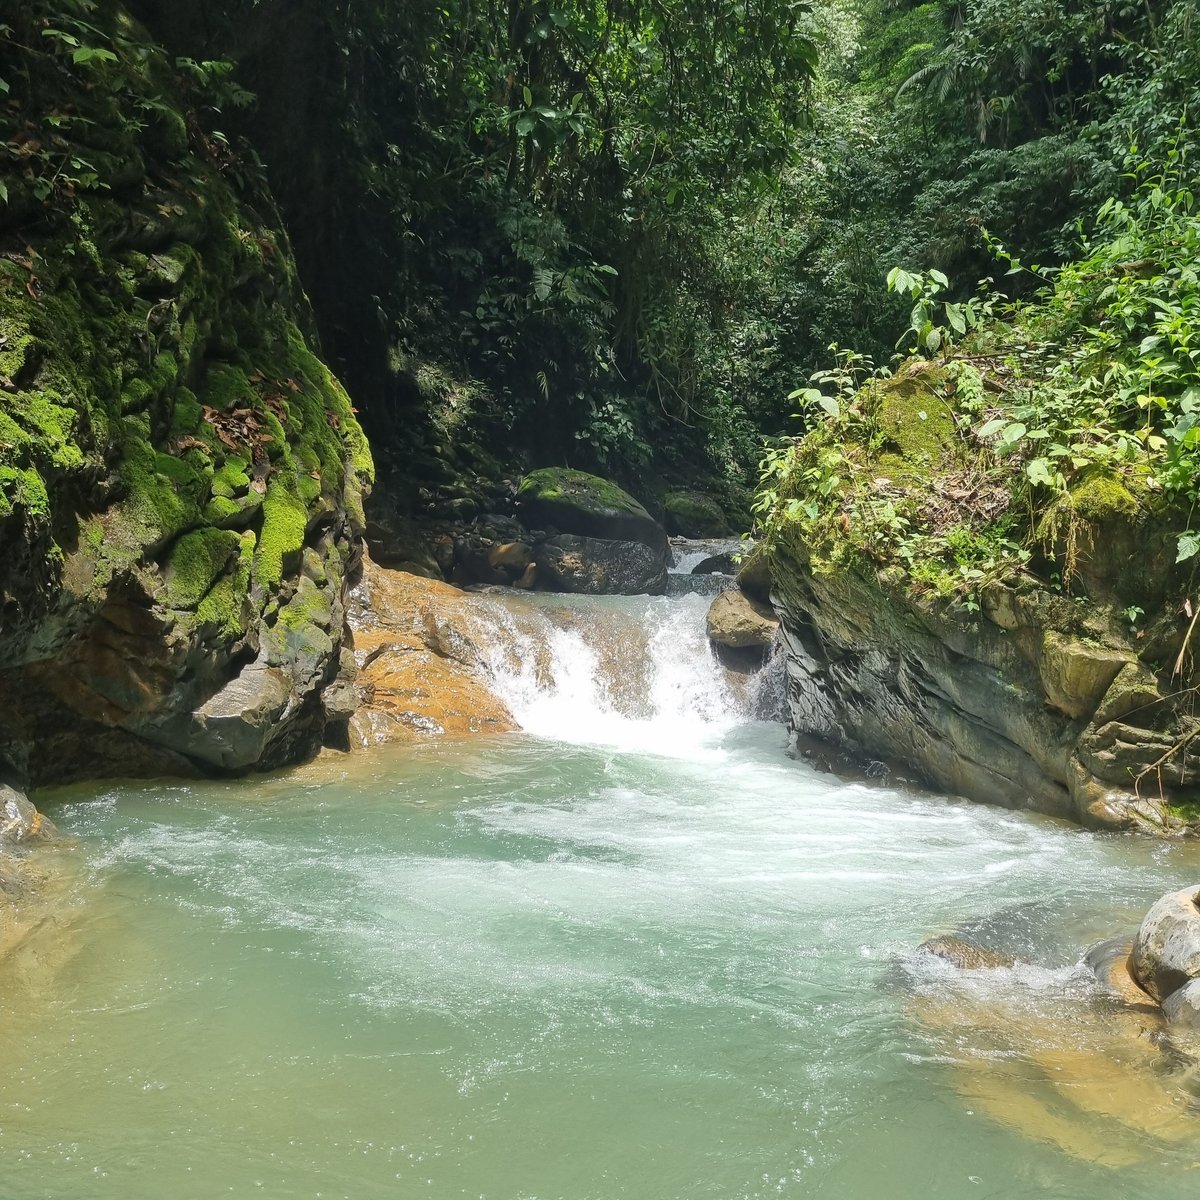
(633, 951)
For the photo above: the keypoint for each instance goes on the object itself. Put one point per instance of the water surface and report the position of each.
(632, 952)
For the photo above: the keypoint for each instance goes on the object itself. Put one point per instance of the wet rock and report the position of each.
(738, 621)
(20, 822)
(754, 575)
(694, 515)
(1112, 964)
(716, 564)
(574, 502)
(596, 566)
(513, 557)
(419, 673)
(965, 955)
(1182, 1008)
(1166, 951)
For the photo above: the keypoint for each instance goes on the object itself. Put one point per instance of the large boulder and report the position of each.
(181, 476)
(575, 502)
(694, 515)
(738, 621)
(596, 566)
(1166, 951)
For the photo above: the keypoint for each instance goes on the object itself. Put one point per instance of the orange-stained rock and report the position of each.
(418, 666)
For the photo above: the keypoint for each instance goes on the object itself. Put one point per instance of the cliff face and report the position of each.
(1074, 699)
(181, 477)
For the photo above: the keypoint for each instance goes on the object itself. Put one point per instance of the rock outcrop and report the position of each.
(181, 477)
(999, 682)
(416, 670)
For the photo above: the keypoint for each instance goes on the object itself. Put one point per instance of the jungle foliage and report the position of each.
(614, 233)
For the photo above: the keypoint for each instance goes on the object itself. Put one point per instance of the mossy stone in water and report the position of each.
(579, 503)
(694, 515)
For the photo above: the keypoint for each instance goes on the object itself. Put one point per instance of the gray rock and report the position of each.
(596, 566)
(1166, 951)
(1182, 1007)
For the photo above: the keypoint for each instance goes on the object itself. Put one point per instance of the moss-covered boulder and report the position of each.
(179, 470)
(694, 515)
(1023, 647)
(567, 501)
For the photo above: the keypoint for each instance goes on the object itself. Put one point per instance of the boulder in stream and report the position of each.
(578, 503)
(738, 621)
(695, 515)
(1166, 951)
(598, 566)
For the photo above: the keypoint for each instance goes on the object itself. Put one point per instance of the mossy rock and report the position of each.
(695, 515)
(171, 444)
(578, 503)
(916, 427)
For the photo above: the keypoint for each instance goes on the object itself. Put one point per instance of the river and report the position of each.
(633, 951)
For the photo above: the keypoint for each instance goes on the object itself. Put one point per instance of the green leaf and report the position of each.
(830, 405)
(938, 277)
(528, 95)
(992, 427)
(3, 192)
(954, 315)
(1189, 546)
(88, 54)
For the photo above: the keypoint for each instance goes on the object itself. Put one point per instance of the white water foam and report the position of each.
(638, 676)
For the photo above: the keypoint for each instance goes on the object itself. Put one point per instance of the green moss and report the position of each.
(186, 416)
(285, 519)
(164, 492)
(227, 602)
(196, 560)
(231, 479)
(1100, 495)
(23, 489)
(227, 387)
(916, 429)
(576, 488)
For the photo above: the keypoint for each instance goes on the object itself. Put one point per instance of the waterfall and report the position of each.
(636, 673)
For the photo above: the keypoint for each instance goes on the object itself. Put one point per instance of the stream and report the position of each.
(631, 951)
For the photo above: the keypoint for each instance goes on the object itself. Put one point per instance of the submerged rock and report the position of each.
(739, 621)
(965, 955)
(1166, 951)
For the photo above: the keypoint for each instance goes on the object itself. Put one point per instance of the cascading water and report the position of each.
(636, 674)
(631, 952)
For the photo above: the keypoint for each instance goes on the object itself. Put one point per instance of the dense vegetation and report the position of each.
(616, 234)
